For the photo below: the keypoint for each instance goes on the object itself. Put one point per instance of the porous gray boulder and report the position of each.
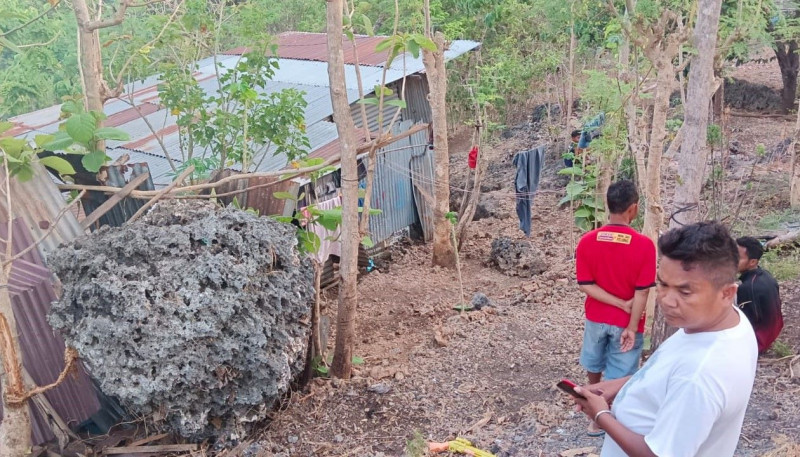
(197, 316)
(516, 258)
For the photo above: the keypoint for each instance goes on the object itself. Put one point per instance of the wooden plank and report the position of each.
(113, 200)
(161, 193)
(149, 439)
(146, 449)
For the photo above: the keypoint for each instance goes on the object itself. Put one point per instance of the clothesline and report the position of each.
(421, 178)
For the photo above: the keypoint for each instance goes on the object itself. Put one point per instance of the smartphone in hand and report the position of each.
(569, 387)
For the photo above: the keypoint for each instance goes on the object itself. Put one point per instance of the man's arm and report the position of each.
(632, 443)
(598, 293)
(628, 337)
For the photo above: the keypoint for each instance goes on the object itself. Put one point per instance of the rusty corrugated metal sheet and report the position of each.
(31, 291)
(38, 202)
(263, 199)
(314, 46)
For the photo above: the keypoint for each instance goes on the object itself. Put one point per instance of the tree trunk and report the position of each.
(15, 429)
(794, 192)
(444, 254)
(348, 293)
(654, 213)
(789, 61)
(95, 88)
(693, 154)
(694, 149)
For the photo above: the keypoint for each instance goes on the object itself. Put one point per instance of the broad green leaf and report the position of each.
(72, 107)
(413, 48)
(23, 174)
(349, 34)
(284, 219)
(397, 102)
(13, 146)
(368, 25)
(42, 140)
(384, 45)
(357, 360)
(367, 242)
(564, 200)
(61, 140)
(58, 164)
(94, 160)
(283, 195)
(81, 127)
(369, 101)
(573, 171)
(583, 212)
(574, 188)
(382, 90)
(111, 133)
(322, 369)
(425, 43)
(5, 126)
(99, 116)
(310, 242)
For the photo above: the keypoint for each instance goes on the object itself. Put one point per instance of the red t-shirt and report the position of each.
(620, 260)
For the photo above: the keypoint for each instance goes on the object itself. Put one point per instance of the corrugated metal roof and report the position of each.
(31, 292)
(309, 75)
(314, 46)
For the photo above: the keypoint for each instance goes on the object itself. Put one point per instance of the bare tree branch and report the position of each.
(119, 16)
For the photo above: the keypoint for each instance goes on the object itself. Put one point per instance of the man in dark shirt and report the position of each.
(758, 295)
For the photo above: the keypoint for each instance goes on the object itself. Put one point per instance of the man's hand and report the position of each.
(626, 305)
(593, 403)
(627, 340)
(607, 389)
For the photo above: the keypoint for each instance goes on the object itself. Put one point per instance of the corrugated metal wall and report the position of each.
(38, 202)
(422, 175)
(31, 291)
(392, 190)
(372, 113)
(418, 108)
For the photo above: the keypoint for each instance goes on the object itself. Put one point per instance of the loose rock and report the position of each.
(516, 258)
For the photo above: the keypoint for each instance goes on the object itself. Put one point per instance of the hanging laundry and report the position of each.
(473, 157)
(529, 170)
(329, 241)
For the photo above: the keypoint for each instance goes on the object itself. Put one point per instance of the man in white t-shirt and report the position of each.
(689, 399)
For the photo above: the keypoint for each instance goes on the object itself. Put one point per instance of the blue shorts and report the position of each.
(601, 353)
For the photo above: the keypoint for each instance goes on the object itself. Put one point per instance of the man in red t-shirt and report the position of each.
(616, 267)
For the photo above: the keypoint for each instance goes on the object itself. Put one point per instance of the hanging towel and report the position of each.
(529, 170)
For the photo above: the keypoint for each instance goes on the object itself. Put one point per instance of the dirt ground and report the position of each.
(432, 373)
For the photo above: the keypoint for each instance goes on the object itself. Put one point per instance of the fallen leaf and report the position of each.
(577, 451)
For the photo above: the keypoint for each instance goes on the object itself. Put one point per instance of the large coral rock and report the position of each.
(194, 315)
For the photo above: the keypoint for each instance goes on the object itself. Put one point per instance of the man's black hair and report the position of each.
(575, 133)
(707, 245)
(752, 246)
(621, 195)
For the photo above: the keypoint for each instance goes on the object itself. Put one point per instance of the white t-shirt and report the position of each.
(689, 399)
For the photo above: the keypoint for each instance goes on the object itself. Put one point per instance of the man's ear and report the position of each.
(729, 291)
(752, 263)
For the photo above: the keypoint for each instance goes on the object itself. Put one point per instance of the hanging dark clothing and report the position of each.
(760, 300)
(529, 170)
